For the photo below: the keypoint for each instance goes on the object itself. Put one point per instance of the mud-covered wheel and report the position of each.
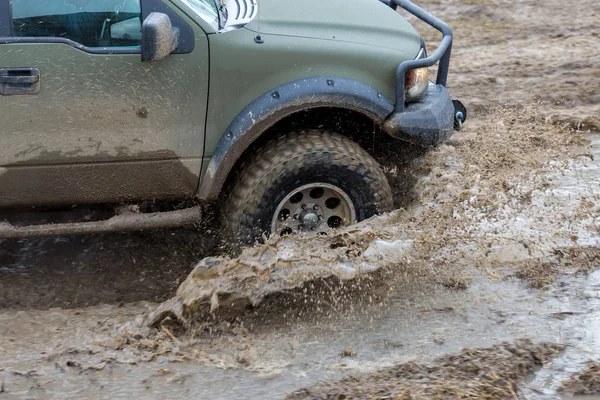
(305, 182)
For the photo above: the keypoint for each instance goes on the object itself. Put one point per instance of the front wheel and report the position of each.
(307, 182)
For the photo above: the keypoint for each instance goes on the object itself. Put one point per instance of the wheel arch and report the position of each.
(283, 103)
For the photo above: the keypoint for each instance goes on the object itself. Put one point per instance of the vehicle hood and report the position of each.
(368, 22)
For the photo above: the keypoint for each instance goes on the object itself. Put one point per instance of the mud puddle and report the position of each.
(580, 306)
(85, 271)
(55, 353)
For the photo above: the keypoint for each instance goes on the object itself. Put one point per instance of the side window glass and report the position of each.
(92, 23)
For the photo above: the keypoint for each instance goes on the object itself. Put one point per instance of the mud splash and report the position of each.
(279, 266)
(500, 197)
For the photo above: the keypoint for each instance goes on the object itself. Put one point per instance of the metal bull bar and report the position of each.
(441, 54)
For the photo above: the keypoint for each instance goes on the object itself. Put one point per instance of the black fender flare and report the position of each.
(275, 105)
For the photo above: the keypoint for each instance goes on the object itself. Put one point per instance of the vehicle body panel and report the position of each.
(281, 102)
(242, 71)
(104, 127)
(109, 128)
(364, 22)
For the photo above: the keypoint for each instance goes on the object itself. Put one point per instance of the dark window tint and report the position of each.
(93, 23)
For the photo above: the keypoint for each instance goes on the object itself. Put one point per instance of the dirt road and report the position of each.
(501, 243)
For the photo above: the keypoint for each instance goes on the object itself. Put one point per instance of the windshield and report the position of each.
(206, 9)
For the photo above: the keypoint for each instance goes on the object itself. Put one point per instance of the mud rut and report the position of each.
(499, 244)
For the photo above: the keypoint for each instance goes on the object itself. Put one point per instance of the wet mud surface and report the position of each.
(108, 269)
(499, 245)
(584, 382)
(473, 373)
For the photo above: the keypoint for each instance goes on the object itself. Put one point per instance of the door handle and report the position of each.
(12, 79)
(19, 81)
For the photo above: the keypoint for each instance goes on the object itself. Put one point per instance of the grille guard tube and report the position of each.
(429, 120)
(441, 54)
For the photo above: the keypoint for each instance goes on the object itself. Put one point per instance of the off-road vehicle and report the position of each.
(256, 106)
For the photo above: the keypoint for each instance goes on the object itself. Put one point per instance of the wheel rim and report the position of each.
(313, 209)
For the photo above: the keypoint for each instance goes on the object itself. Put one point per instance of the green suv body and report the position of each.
(125, 101)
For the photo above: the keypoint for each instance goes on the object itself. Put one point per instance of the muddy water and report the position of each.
(85, 271)
(271, 361)
(580, 299)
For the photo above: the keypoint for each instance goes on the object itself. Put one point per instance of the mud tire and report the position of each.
(298, 159)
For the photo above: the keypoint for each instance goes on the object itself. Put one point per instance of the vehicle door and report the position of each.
(83, 119)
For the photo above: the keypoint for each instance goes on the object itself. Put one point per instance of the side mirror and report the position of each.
(159, 38)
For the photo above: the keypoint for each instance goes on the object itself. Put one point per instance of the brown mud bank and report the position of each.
(493, 373)
(506, 52)
(584, 382)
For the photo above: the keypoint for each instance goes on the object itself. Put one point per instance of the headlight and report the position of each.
(416, 81)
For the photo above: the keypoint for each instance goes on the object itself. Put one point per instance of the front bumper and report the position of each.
(426, 122)
(432, 118)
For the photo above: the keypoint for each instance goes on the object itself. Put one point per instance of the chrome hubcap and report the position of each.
(313, 209)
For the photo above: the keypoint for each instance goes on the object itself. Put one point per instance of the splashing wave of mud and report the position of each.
(278, 266)
(508, 191)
